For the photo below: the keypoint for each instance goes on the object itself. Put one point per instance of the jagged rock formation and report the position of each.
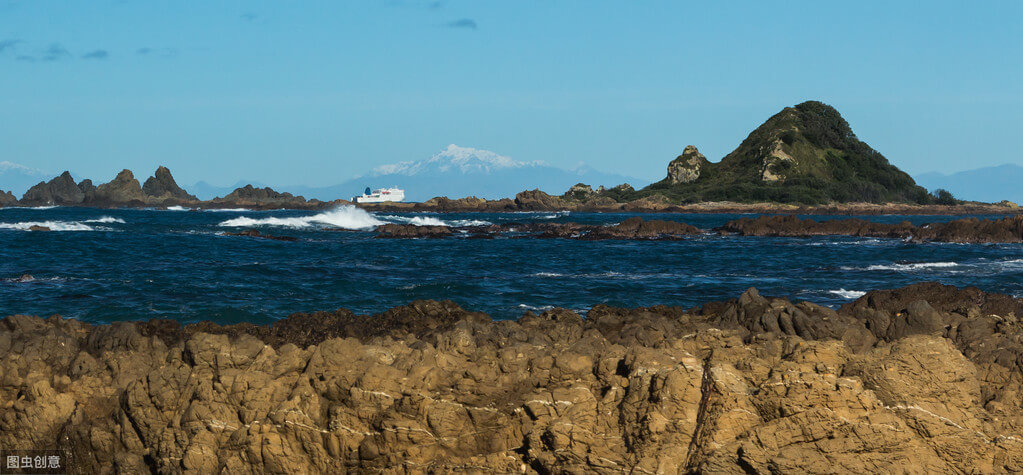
(921, 379)
(123, 189)
(686, 167)
(60, 191)
(161, 188)
(7, 199)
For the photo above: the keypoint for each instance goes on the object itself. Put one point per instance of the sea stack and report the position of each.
(60, 191)
(123, 189)
(7, 199)
(162, 188)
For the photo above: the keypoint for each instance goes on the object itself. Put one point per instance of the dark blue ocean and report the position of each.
(107, 265)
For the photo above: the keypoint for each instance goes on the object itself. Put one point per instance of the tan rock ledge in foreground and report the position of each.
(919, 379)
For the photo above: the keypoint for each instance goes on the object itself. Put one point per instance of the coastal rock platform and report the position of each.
(920, 379)
(967, 230)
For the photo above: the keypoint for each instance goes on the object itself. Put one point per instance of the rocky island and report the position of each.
(920, 379)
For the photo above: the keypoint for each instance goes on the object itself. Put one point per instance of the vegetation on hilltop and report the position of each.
(804, 154)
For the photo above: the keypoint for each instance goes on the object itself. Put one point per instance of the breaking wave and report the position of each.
(432, 221)
(347, 217)
(906, 267)
(51, 225)
(105, 220)
(847, 294)
(177, 208)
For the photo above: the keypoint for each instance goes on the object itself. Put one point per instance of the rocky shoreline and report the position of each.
(967, 231)
(538, 201)
(920, 379)
(162, 191)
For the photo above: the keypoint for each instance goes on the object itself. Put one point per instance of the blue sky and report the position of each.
(317, 92)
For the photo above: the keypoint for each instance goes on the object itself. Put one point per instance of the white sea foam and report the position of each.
(906, 267)
(52, 225)
(348, 217)
(559, 214)
(105, 220)
(848, 294)
(432, 221)
(534, 308)
(595, 275)
(913, 266)
(426, 221)
(177, 208)
(225, 210)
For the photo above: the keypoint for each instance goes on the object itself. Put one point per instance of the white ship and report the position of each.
(381, 195)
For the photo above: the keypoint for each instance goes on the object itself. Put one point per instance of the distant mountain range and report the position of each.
(988, 184)
(19, 178)
(454, 172)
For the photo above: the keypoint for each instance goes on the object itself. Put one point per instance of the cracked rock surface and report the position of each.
(922, 379)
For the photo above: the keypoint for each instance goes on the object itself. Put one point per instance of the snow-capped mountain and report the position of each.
(457, 172)
(18, 178)
(455, 158)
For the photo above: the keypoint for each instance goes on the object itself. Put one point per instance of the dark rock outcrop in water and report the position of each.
(161, 188)
(411, 231)
(7, 199)
(920, 379)
(969, 230)
(60, 191)
(256, 234)
(123, 189)
(633, 228)
(263, 198)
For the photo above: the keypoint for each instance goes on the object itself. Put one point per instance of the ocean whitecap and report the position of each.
(347, 217)
(847, 294)
(51, 225)
(105, 220)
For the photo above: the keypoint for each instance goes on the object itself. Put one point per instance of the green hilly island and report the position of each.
(803, 154)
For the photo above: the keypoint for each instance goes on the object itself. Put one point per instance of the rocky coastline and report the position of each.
(924, 378)
(967, 231)
(538, 201)
(161, 191)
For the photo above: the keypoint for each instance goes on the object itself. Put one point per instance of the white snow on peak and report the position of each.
(455, 158)
(11, 166)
